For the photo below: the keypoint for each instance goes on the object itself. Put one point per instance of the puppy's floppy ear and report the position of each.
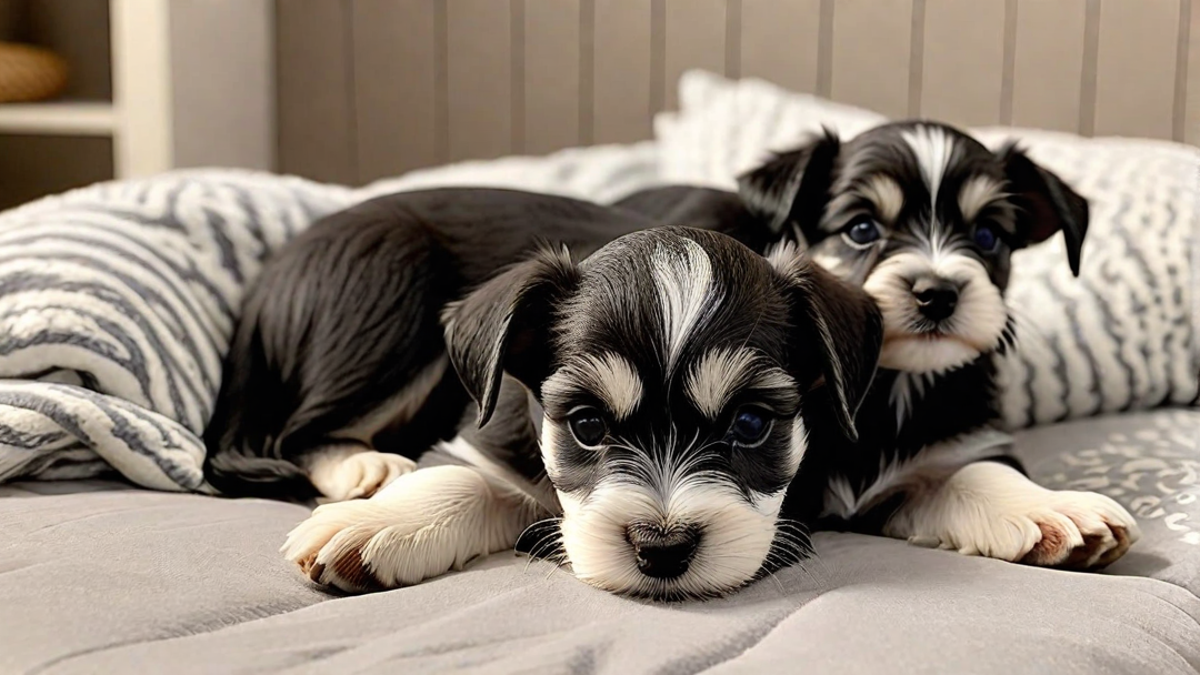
(841, 323)
(504, 325)
(792, 186)
(1045, 204)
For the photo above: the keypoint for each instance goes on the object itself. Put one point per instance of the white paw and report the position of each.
(990, 510)
(1081, 530)
(341, 476)
(426, 524)
(1073, 530)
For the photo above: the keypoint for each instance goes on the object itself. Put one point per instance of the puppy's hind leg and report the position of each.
(422, 525)
(345, 470)
(347, 464)
(990, 509)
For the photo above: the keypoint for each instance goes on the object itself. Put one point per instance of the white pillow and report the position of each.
(1122, 336)
(725, 127)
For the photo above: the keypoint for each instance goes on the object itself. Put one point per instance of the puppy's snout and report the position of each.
(936, 298)
(662, 553)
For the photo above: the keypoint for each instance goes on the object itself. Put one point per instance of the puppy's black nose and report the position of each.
(662, 553)
(936, 298)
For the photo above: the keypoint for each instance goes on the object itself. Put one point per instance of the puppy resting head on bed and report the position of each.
(672, 367)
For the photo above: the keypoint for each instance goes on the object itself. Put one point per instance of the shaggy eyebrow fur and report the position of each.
(884, 192)
(721, 373)
(978, 193)
(881, 191)
(608, 376)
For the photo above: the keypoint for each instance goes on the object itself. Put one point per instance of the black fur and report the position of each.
(705, 209)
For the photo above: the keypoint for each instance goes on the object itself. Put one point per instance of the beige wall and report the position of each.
(369, 88)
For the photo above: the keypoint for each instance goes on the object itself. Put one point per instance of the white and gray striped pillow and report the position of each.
(1123, 336)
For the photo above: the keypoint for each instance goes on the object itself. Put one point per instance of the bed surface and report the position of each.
(102, 577)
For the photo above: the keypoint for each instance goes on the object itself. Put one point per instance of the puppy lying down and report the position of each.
(677, 373)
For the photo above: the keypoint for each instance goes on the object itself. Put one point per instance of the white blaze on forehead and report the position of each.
(976, 193)
(933, 148)
(608, 376)
(721, 373)
(683, 277)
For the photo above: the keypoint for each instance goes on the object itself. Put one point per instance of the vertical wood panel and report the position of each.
(587, 71)
(1191, 121)
(1048, 66)
(963, 61)
(552, 52)
(621, 80)
(516, 23)
(780, 40)
(479, 72)
(695, 39)
(316, 138)
(825, 48)
(1179, 115)
(872, 44)
(916, 58)
(219, 47)
(1010, 62)
(1135, 76)
(733, 39)
(1087, 87)
(394, 61)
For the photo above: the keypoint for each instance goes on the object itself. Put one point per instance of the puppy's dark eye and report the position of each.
(587, 426)
(862, 233)
(750, 426)
(986, 239)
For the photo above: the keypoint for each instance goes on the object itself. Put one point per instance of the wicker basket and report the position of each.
(29, 73)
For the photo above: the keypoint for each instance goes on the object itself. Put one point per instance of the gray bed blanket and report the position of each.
(96, 577)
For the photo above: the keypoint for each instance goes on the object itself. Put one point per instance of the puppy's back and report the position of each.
(701, 208)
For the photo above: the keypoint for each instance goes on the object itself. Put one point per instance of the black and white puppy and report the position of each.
(675, 375)
(925, 219)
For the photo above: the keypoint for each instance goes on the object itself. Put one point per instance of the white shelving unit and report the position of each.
(193, 85)
(58, 117)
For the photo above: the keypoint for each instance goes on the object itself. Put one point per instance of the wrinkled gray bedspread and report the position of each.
(98, 577)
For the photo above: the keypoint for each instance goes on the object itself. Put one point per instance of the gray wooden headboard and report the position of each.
(370, 88)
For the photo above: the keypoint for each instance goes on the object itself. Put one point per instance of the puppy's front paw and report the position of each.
(991, 510)
(1081, 530)
(341, 475)
(425, 524)
(1072, 530)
